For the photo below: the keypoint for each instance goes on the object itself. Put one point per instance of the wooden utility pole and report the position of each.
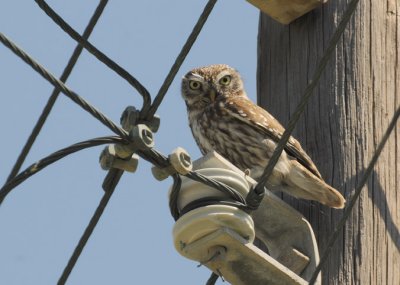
(342, 125)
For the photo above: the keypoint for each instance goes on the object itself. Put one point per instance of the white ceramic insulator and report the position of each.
(192, 190)
(205, 220)
(202, 221)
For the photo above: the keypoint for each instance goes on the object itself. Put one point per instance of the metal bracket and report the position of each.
(240, 262)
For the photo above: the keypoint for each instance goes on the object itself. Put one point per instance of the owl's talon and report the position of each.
(247, 172)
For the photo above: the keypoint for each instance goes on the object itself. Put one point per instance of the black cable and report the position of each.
(160, 160)
(173, 197)
(147, 113)
(154, 157)
(179, 60)
(97, 53)
(357, 193)
(63, 88)
(213, 279)
(86, 235)
(46, 161)
(209, 201)
(235, 195)
(50, 103)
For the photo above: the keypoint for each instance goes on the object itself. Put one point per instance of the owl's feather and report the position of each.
(257, 118)
(302, 180)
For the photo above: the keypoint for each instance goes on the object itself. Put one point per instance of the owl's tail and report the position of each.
(303, 184)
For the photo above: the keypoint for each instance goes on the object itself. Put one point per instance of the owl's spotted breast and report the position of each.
(214, 129)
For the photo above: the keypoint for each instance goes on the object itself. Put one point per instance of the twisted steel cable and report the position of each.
(86, 235)
(162, 161)
(235, 195)
(308, 92)
(152, 155)
(46, 161)
(179, 60)
(356, 194)
(212, 279)
(54, 95)
(173, 197)
(155, 157)
(63, 88)
(97, 53)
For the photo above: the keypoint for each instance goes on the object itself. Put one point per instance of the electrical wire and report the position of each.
(97, 53)
(151, 155)
(63, 88)
(50, 159)
(54, 95)
(148, 111)
(355, 196)
(179, 60)
(173, 197)
(86, 235)
(213, 279)
(308, 92)
(162, 161)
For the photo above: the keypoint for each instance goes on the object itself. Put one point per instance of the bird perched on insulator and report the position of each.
(224, 119)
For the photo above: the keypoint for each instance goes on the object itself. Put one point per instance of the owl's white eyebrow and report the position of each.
(223, 73)
(196, 75)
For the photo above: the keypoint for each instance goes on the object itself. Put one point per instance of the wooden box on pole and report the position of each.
(286, 11)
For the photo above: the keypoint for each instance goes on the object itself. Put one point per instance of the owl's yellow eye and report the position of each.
(194, 85)
(225, 80)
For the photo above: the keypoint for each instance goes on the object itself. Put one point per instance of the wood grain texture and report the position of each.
(342, 125)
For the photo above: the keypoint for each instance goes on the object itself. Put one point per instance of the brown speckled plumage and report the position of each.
(222, 118)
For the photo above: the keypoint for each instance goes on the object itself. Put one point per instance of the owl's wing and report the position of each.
(258, 118)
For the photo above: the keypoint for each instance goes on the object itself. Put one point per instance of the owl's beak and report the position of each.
(212, 95)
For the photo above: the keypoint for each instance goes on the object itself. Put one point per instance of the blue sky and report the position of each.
(42, 220)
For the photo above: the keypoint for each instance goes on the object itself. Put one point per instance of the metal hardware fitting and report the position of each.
(180, 163)
(122, 156)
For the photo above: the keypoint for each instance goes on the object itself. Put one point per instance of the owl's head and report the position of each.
(204, 86)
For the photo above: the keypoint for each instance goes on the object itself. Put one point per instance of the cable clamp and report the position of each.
(180, 162)
(109, 159)
(122, 156)
(130, 117)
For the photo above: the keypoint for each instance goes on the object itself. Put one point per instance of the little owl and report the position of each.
(222, 118)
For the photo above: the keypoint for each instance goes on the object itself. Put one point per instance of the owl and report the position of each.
(222, 118)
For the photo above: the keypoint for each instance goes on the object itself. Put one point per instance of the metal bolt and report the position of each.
(185, 159)
(147, 136)
(129, 118)
(154, 123)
